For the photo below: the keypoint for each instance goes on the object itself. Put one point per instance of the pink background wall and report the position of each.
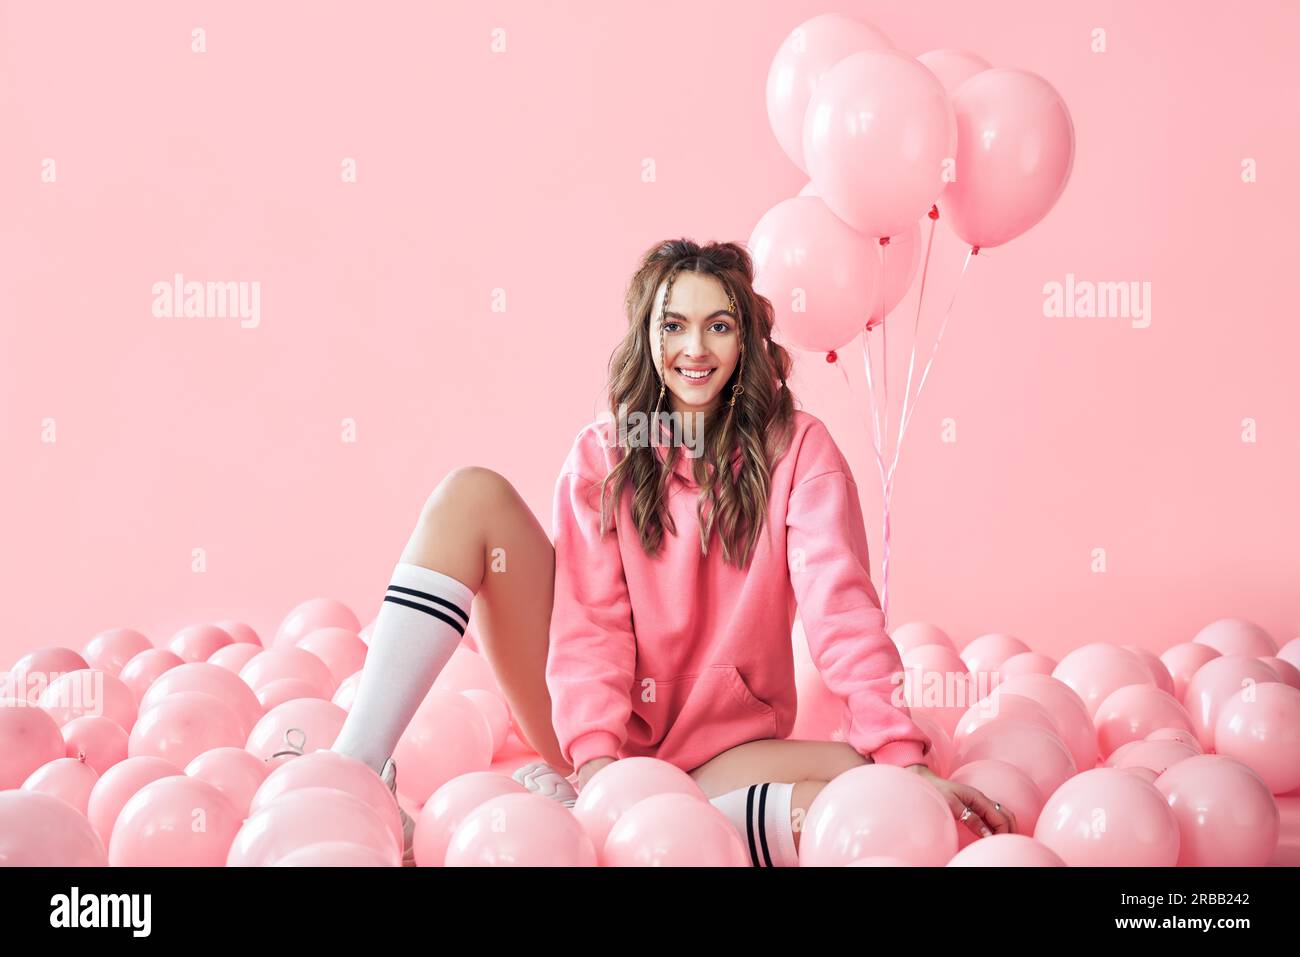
(521, 171)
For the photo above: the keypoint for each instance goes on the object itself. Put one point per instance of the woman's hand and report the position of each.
(591, 767)
(985, 819)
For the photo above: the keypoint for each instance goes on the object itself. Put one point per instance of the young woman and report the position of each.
(659, 623)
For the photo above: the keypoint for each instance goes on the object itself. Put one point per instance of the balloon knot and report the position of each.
(831, 356)
(934, 212)
(974, 250)
(884, 240)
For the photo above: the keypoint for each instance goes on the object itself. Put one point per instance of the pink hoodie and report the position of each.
(682, 656)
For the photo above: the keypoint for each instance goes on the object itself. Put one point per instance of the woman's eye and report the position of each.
(667, 327)
(725, 327)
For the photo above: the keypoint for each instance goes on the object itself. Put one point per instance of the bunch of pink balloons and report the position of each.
(885, 138)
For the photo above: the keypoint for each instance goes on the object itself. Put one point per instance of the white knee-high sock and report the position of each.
(761, 813)
(421, 621)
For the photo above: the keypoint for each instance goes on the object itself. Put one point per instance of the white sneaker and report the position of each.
(389, 775)
(540, 778)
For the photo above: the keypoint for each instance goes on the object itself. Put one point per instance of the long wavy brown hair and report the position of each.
(759, 423)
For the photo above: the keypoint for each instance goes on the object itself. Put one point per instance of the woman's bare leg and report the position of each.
(476, 528)
(809, 765)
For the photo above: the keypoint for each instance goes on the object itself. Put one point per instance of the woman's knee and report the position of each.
(466, 486)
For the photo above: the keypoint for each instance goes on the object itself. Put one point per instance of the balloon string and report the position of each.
(884, 486)
(907, 417)
(916, 328)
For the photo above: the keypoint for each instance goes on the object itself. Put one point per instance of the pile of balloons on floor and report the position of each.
(214, 750)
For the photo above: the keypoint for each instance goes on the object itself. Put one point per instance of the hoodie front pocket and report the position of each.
(688, 718)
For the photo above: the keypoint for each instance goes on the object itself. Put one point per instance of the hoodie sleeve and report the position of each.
(830, 571)
(592, 657)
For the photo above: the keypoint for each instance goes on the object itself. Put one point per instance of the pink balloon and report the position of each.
(306, 816)
(878, 809)
(298, 727)
(1183, 661)
(1218, 680)
(1225, 815)
(1015, 151)
(917, 633)
(97, 740)
(1061, 701)
(1106, 817)
(1291, 652)
(878, 860)
(37, 670)
(1132, 712)
(110, 650)
(1288, 673)
(329, 769)
(877, 135)
(467, 669)
(234, 772)
(940, 756)
(936, 684)
(118, 785)
(1158, 755)
(275, 693)
(1181, 735)
(212, 680)
(182, 725)
(1260, 727)
(822, 277)
(1001, 707)
(88, 691)
(1027, 663)
(448, 806)
(495, 711)
(1006, 784)
(144, 669)
(808, 51)
(448, 736)
(29, 738)
(335, 854)
(1159, 673)
(520, 830)
(175, 821)
(1007, 850)
(1038, 752)
(674, 830)
(618, 786)
(1093, 671)
(1145, 773)
(198, 642)
(287, 661)
(67, 779)
(1236, 636)
(37, 830)
(953, 67)
(902, 257)
(240, 632)
(347, 691)
(987, 652)
(341, 650)
(234, 656)
(312, 614)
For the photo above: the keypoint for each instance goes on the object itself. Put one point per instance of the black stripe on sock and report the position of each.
(749, 824)
(762, 824)
(433, 598)
(460, 629)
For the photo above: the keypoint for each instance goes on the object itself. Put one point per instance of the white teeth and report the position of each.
(696, 375)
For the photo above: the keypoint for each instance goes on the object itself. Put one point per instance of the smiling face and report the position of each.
(701, 342)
